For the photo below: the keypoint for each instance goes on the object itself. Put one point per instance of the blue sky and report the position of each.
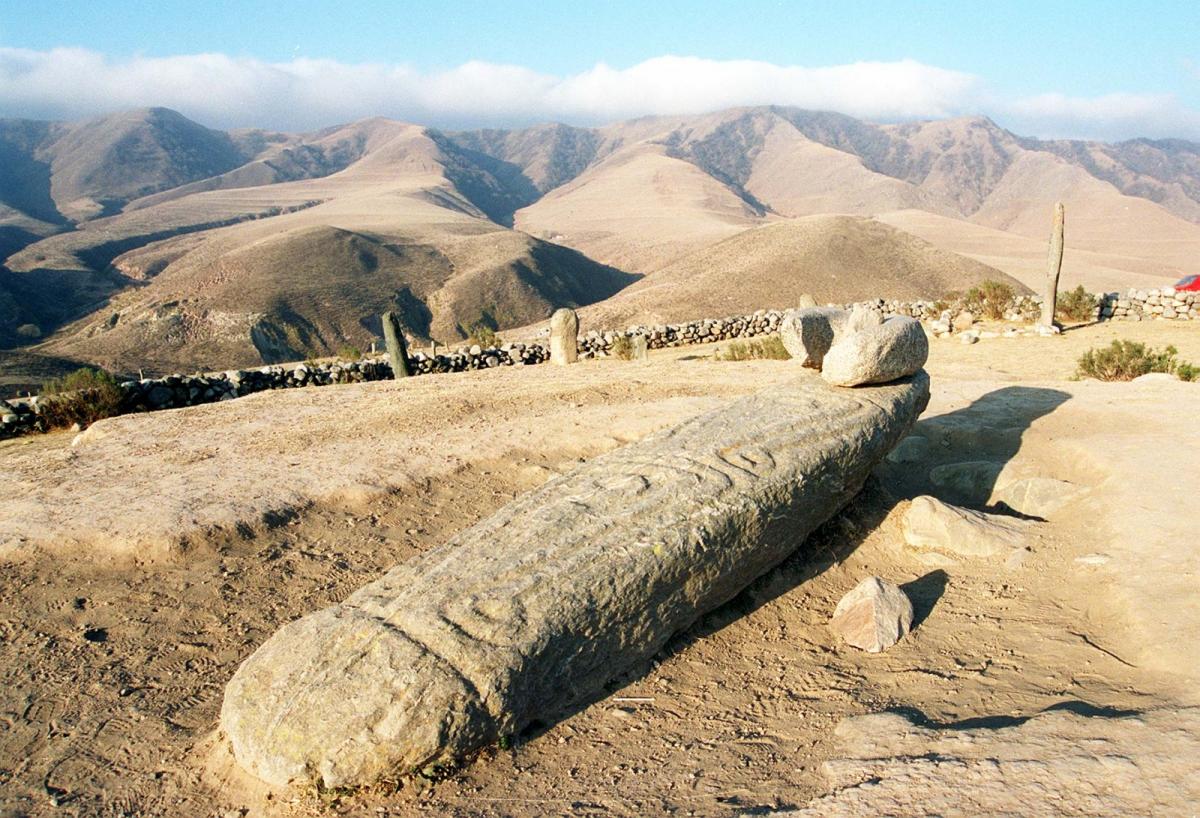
(1067, 68)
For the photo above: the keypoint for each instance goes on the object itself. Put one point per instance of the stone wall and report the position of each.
(1164, 304)
(20, 416)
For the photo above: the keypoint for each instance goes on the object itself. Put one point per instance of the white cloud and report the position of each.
(225, 91)
(1111, 116)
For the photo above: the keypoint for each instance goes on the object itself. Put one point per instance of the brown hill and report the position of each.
(638, 210)
(311, 290)
(134, 215)
(1024, 257)
(788, 162)
(833, 258)
(93, 168)
(389, 232)
(1100, 218)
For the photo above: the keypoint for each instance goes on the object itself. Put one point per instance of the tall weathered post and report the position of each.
(397, 349)
(564, 336)
(1053, 268)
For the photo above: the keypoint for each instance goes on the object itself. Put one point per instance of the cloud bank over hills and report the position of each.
(226, 91)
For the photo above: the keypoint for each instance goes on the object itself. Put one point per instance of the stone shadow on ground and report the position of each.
(924, 593)
(983, 437)
(1076, 706)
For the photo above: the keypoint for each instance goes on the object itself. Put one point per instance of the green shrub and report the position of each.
(623, 347)
(1075, 305)
(1186, 371)
(349, 353)
(769, 348)
(484, 335)
(990, 299)
(1126, 360)
(84, 397)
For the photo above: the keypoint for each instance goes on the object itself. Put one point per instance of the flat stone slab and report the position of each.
(561, 591)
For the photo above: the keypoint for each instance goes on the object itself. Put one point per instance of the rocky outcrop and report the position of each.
(931, 525)
(1037, 496)
(1055, 763)
(561, 591)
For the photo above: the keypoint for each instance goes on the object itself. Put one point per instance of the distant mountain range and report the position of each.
(144, 239)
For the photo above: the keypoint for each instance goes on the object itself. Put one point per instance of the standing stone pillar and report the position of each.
(1053, 268)
(564, 336)
(397, 349)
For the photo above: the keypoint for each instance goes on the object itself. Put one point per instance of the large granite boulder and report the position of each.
(884, 352)
(807, 334)
(558, 593)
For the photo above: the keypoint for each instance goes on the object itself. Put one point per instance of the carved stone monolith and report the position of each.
(560, 592)
(396, 347)
(564, 336)
(641, 348)
(1053, 268)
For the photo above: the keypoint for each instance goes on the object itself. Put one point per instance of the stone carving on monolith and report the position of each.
(536, 608)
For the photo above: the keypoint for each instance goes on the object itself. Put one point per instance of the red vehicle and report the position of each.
(1188, 284)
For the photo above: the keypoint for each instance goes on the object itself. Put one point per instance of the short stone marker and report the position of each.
(564, 336)
(873, 616)
(641, 348)
(561, 591)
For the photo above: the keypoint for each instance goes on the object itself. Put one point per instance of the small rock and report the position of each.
(930, 524)
(807, 334)
(805, 301)
(1037, 496)
(968, 338)
(967, 482)
(963, 321)
(862, 318)
(912, 449)
(1017, 558)
(873, 616)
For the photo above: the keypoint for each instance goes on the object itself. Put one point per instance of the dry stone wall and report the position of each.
(21, 416)
(1162, 304)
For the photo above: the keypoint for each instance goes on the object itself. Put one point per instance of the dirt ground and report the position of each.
(142, 564)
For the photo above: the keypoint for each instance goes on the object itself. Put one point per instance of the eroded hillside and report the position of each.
(145, 240)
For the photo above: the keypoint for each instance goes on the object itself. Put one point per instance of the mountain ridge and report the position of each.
(101, 216)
